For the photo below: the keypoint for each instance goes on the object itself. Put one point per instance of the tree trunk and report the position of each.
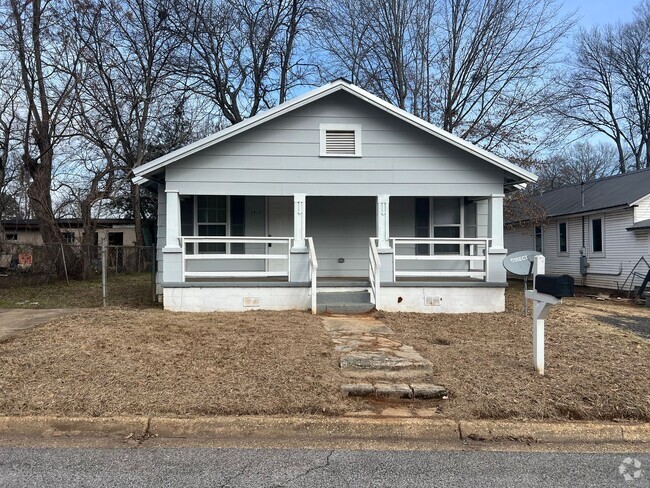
(137, 214)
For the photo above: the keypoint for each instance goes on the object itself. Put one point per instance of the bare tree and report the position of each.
(494, 70)
(483, 70)
(9, 91)
(608, 91)
(630, 52)
(39, 43)
(579, 163)
(240, 54)
(127, 48)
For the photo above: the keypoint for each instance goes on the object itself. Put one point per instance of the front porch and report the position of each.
(418, 254)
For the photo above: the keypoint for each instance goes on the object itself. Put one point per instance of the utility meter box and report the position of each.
(557, 286)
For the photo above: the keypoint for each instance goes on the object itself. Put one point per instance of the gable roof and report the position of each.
(142, 173)
(613, 191)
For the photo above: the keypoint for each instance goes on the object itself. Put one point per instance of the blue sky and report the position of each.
(594, 12)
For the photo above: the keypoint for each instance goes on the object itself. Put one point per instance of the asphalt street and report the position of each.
(201, 467)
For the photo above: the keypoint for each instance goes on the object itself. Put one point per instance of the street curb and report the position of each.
(294, 427)
(330, 428)
(74, 426)
(561, 432)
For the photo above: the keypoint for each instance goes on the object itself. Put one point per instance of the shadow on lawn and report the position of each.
(633, 323)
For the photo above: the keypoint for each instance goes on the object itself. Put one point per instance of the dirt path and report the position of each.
(13, 321)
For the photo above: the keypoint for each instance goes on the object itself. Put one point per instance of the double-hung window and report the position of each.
(563, 237)
(597, 234)
(539, 245)
(216, 216)
(211, 212)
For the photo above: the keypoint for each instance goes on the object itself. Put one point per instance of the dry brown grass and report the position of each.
(151, 362)
(593, 370)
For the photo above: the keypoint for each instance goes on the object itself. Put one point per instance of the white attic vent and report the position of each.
(340, 140)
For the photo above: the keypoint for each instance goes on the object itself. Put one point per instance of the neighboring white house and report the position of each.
(335, 190)
(596, 232)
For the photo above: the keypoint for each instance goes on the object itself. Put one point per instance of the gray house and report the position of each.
(597, 232)
(333, 191)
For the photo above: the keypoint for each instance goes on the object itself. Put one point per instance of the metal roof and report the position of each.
(613, 191)
(640, 225)
(149, 170)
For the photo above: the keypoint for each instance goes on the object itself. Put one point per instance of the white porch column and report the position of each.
(496, 252)
(173, 219)
(172, 266)
(496, 221)
(299, 254)
(383, 222)
(386, 255)
(299, 221)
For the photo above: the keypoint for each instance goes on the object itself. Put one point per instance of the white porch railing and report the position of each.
(313, 274)
(374, 270)
(269, 270)
(473, 256)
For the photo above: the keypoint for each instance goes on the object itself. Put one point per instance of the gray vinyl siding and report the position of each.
(160, 237)
(622, 247)
(281, 157)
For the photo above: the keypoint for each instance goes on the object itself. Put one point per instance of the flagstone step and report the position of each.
(424, 391)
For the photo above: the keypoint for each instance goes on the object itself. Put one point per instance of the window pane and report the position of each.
(211, 208)
(563, 237)
(538, 239)
(446, 211)
(442, 232)
(422, 224)
(187, 216)
(216, 230)
(237, 216)
(597, 235)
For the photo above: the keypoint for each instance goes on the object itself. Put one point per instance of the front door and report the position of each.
(341, 228)
(280, 224)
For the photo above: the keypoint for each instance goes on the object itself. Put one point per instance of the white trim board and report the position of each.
(147, 169)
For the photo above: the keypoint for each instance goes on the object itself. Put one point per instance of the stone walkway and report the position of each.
(377, 364)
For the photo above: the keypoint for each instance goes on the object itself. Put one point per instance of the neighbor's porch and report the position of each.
(278, 245)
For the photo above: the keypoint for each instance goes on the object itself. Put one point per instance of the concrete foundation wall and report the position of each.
(236, 299)
(413, 299)
(442, 300)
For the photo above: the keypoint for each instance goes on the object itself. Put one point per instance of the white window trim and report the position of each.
(357, 139)
(197, 223)
(568, 241)
(541, 228)
(460, 225)
(592, 253)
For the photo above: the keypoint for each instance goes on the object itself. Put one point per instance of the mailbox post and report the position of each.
(542, 303)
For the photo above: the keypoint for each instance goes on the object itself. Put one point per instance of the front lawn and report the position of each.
(112, 361)
(596, 369)
(151, 362)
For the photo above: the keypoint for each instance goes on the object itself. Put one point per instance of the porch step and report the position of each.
(355, 302)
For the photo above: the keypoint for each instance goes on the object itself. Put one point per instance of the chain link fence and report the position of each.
(68, 275)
